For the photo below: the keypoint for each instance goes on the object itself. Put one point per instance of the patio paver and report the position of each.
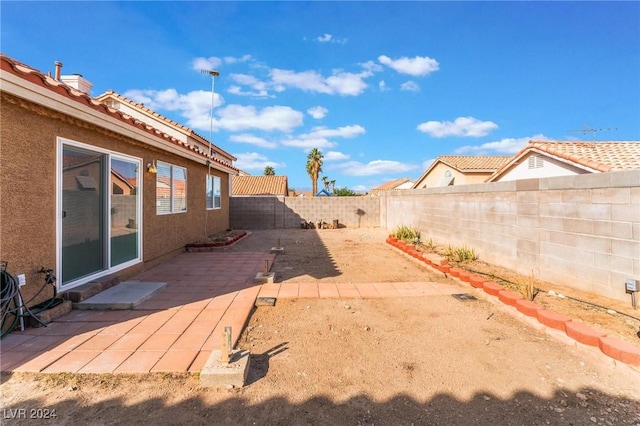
(175, 330)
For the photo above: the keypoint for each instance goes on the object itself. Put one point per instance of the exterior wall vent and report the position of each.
(535, 162)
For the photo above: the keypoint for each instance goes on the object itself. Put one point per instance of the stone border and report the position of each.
(613, 347)
(215, 246)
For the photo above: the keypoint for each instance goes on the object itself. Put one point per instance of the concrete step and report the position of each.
(48, 315)
(126, 295)
(85, 291)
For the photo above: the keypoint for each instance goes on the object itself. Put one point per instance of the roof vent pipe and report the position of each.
(58, 65)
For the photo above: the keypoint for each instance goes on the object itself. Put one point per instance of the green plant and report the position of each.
(430, 245)
(406, 233)
(460, 254)
(449, 252)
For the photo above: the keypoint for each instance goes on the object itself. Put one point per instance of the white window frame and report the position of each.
(61, 143)
(173, 169)
(210, 182)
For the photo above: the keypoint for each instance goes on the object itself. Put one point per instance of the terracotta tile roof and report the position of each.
(392, 184)
(605, 156)
(259, 185)
(477, 163)
(600, 156)
(46, 82)
(112, 94)
(387, 186)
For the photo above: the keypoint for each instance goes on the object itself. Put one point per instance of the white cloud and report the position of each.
(234, 60)
(371, 66)
(319, 136)
(273, 118)
(318, 112)
(211, 63)
(194, 106)
(418, 66)
(340, 82)
(341, 132)
(307, 143)
(376, 167)
(328, 38)
(383, 86)
(253, 140)
(462, 126)
(258, 88)
(503, 146)
(255, 161)
(335, 155)
(410, 86)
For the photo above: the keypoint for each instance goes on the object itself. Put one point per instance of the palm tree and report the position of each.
(269, 171)
(325, 181)
(333, 185)
(314, 167)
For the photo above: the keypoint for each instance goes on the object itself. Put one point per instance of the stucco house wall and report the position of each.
(542, 166)
(28, 190)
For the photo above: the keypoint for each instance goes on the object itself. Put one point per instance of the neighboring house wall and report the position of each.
(436, 177)
(406, 185)
(535, 165)
(578, 231)
(29, 210)
(287, 212)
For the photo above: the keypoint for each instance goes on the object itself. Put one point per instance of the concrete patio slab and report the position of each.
(126, 295)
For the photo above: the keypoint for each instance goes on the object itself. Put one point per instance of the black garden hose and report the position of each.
(9, 302)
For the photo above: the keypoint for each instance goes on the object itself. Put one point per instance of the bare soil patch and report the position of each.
(421, 361)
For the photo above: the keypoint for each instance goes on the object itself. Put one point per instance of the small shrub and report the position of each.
(527, 287)
(430, 245)
(460, 254)
(464, 254)
(406, 234)
(449, 252)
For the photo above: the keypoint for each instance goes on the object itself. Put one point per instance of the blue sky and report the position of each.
(381, 88)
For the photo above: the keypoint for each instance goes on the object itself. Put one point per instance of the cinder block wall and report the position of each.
(579, 231)
(288, 212)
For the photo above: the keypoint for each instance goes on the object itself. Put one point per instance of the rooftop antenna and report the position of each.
(213, 74)
(586, 129)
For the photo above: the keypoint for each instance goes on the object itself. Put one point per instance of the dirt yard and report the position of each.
(407, 361)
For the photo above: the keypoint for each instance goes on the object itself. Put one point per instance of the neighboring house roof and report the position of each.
(393, 184)
(593, 157)
(110, 95)
(14, 74)
(323, 192)
(468, 164)
(474, 163)
(259, 185)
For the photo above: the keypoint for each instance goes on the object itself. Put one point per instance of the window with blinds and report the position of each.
(214, 198)
(171, 189)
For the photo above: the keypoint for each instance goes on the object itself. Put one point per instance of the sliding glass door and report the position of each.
(124, 210)
(82, 213)
(99, 213)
